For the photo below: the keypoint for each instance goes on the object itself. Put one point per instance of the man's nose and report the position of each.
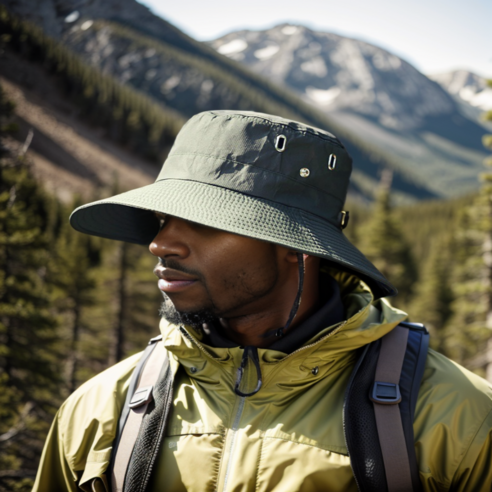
(171, 239)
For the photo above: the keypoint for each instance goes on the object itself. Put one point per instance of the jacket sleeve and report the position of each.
(475, 471)
(54, 472)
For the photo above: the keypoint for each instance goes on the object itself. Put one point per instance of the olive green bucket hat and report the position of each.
(251, 174)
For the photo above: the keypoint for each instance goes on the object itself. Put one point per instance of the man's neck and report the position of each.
(330, 312)
(260, 330)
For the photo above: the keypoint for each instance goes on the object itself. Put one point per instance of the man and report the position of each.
(266, 306)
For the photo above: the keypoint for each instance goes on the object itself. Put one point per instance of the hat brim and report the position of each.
(130, 217)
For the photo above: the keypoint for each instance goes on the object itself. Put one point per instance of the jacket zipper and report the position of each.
(234, 429)
(242, 399)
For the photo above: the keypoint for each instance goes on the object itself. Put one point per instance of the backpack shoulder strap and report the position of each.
(139, 395)
(379, 408)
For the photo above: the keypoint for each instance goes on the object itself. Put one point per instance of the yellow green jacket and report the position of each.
(288, 436)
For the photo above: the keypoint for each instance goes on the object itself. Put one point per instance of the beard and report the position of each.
(244, 293)
(196, 319)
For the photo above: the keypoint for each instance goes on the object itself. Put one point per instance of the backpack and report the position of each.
(378, 413)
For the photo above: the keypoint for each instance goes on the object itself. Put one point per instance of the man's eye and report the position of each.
(161, 220)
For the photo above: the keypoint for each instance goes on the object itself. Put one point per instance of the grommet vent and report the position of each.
(304, 172)
(281, 143)
(332, 162)
(344, 219)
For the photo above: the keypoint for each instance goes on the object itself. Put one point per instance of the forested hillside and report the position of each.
(68, 307)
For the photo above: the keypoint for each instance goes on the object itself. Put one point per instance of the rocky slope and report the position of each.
(338, 73)
(468, 86)
(69, 157)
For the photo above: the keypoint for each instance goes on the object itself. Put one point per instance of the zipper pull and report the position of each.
(250, 353)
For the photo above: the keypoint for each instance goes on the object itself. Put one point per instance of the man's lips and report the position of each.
(172, 280)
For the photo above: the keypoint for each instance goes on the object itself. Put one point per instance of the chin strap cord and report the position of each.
(279, 332)
(297, 301)
(251, 353)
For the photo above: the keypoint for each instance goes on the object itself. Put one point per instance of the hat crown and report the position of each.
(263, 156)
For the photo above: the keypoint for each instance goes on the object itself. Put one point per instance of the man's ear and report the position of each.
(292, 257)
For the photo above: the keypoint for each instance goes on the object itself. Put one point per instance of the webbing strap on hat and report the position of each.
(138, 407)
(386, 397)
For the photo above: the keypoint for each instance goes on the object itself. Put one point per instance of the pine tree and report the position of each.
(136, 300)
(432, 304)
(73, 270)
(28, 330)
(383, 242)
(470, 340)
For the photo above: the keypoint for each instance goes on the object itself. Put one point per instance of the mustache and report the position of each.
(174, 265)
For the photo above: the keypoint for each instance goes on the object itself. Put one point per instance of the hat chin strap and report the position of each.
(251, 353)
(297, 301)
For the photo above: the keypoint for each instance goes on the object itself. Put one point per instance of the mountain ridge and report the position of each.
(189, 77)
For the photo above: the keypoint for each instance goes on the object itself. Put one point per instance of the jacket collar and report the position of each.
(330, 349)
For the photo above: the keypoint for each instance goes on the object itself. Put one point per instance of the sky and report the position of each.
(433, 35)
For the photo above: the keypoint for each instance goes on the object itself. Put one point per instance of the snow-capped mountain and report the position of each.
(371, 91)
(468, 86)
(339, 73)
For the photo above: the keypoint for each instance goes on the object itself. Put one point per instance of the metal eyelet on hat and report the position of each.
(281, 143)
(332, 162)
(304, 172)
(344, 219)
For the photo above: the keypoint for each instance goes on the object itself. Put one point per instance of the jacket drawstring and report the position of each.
(250, 353)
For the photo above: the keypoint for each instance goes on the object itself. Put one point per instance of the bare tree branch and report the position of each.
(19, 425)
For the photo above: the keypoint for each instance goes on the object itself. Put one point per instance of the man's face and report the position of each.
(214, 273)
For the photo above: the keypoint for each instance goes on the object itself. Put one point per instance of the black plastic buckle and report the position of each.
(385, 393)
(141, 397)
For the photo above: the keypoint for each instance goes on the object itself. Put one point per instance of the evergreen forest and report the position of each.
(71, 305)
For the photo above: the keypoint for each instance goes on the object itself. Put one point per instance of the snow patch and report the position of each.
(72, 17)
(479, 99)
(265, 53)
(321, 96)
(315, 66)
(86, 25)
(234, 46)
(289, 30)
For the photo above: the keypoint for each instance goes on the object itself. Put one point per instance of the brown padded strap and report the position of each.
(388, 418)
(148, 378)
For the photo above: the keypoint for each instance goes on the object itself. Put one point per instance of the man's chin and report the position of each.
(194, 318)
